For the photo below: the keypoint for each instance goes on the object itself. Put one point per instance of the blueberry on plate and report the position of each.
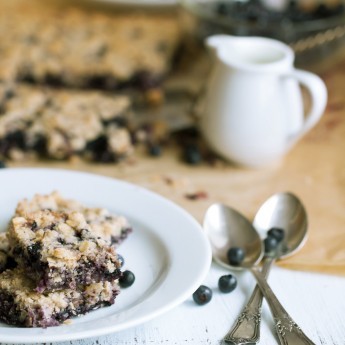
(277, 233)
(2, 165)
(154, 150)
(235, 256)
(202, 295)
(127, 279)
(227, 283)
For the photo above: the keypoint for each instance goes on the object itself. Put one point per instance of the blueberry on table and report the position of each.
(202, 295)
(192, 155)
(154, 150)
(270, 243)
(127, 279)
(277, 233)
(2, 165)
(235, 256)
(227, 283)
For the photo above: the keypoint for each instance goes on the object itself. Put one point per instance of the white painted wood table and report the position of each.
(316, 302)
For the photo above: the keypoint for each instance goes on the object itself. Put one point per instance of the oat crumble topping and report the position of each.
(60, 250)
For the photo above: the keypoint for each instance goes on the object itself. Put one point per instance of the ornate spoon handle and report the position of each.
(289, 333)
(247, 327)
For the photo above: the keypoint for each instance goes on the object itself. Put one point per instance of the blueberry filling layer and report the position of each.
(98, 149)
(53, 278)
(142, 80)
(14, 313)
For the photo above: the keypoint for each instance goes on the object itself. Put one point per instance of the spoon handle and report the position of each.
(289, 333)
(246, 330)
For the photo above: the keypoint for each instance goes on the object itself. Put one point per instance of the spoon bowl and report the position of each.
(227, 228)
(285, 211)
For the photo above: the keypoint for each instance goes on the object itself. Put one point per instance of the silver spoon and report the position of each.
(227, 228)
(285, 211)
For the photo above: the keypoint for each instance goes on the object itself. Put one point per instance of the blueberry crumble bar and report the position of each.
(61, 123)
(61, 43)
(112, 228)
(59, 250)
(21, 305)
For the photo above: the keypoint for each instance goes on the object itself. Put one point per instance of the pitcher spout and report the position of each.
(250, 53)
(215, 42)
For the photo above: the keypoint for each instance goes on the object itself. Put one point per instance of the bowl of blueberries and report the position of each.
(314, 29)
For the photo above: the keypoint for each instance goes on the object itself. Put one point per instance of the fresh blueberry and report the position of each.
(270, 244)
(277, 233)
(235, 256)
(127, 279)
(98, 145)
(223, 8)
(17, 139)
(154, 150)
(202, 295)
(99, 149)
(34, 251)
(9, 93)
(121, 260)
(192, 155)
(227, 283)
(40, 145)
(2, 165)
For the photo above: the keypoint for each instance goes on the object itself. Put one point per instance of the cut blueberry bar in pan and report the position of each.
(20, 305)
(62, 123)
(46, 42)
(112, 228)
(59, 250)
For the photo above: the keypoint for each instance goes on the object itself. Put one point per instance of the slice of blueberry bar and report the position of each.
(20, 305)
(62, 123)
(69, 44)
(59, 250)
(112, 228)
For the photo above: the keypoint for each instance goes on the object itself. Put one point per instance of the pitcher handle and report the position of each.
(318, 92)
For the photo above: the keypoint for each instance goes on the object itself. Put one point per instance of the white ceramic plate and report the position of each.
(158, 251)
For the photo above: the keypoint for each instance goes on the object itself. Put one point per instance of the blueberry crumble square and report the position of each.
(111, 227)
(59, 250)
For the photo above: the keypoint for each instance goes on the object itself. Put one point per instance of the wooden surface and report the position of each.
(315, 171)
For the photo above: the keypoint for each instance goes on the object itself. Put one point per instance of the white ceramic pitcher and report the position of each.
(253, 110)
